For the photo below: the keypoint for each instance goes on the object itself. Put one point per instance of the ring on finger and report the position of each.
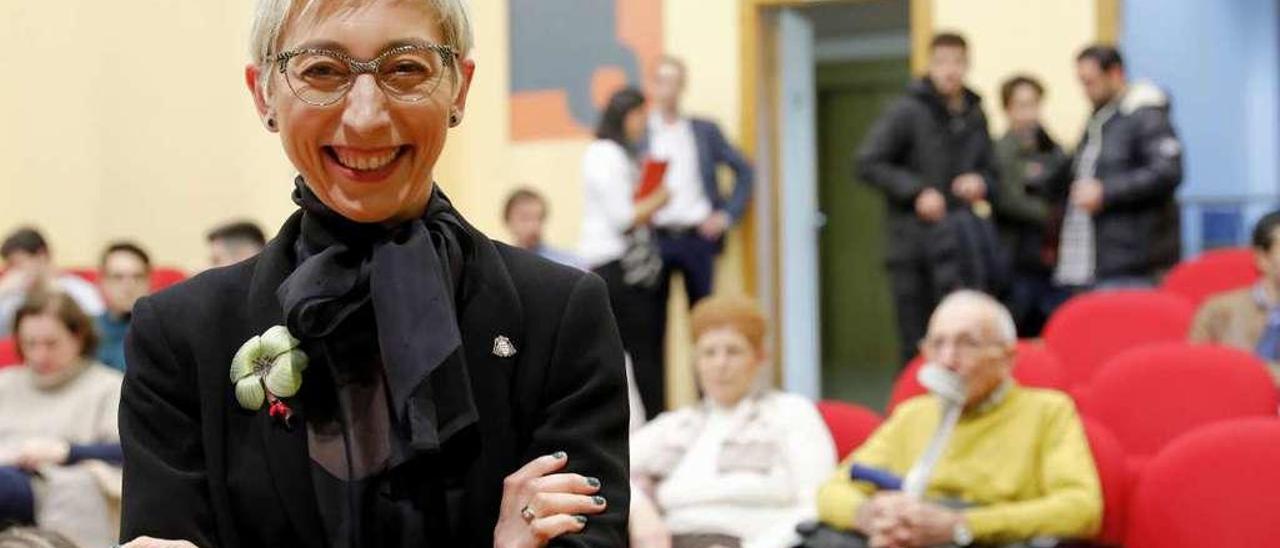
(527, 514)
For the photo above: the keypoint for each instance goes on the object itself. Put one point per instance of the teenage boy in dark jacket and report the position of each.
(931, 155)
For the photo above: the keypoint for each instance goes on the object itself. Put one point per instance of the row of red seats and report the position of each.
(160, 279)
(1141, 404)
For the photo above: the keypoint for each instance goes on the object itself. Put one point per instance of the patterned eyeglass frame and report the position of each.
(358, 67)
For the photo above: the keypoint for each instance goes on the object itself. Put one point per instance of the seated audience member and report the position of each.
(525, 214)
(741, 467)
(28, 268)
(1016, 467)
(125, 277)
(1249, 318)
(59, 446)
(235, 242)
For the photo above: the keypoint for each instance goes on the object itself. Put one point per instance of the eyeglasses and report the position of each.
(964, 345)
(408, 73)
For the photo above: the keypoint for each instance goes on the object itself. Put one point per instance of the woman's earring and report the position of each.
(454, 119)
(271, 123)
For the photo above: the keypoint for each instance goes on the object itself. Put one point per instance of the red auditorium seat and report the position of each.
(1212, 272)
(1034, 366)
(850, 424)
(1094, 327)
(165, 277)
(1115, 477)
(9, 352)
(1151, 395)
(1218, 486)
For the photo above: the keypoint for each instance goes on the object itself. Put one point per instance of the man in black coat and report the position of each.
(931, 155)
(1121, 227)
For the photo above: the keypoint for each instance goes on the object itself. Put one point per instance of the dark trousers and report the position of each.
(915, 294)
(1032, 299)
(687, 252)
(641, 316)
(17, 502)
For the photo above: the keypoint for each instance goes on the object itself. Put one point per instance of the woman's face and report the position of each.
(635, 124)
(48, 347)
(368, 156)
(728, 365)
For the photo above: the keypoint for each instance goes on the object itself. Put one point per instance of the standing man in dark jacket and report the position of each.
(931, 155)
(1028, 158)
(1121, 227)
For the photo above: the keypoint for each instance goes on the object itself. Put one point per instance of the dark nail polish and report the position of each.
(581, 519)
(598, 500)
(593, 482)
(559, 455)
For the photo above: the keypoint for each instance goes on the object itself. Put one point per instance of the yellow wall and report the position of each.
(1041, 38)
(128, 119)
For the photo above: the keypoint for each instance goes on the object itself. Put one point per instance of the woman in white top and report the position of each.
(742, 467)
(612, 217)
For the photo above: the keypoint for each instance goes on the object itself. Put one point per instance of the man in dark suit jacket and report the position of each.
(692, 225)
(541, 350)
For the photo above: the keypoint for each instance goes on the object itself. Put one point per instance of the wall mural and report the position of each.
(568, 56)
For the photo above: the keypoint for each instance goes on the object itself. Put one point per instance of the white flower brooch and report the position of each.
(267, 368)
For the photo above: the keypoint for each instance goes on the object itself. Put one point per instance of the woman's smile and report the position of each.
(365, 165)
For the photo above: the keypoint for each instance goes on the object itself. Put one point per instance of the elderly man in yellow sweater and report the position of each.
(1017, 466)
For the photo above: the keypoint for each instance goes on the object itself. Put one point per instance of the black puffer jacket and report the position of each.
(917, 143)
(1138, 230)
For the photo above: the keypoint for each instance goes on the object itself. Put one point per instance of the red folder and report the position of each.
(651, 176)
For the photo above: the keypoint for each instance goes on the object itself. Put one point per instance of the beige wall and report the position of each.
(1040, 38)
(128, 119)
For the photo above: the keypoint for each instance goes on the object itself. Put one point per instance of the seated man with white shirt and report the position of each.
(28, 267)
(692, 225)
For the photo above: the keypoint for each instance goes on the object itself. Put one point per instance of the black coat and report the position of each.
(201, 468)
(1138, 230)
(917, 143)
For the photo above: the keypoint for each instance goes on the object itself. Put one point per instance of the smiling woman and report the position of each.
(382, 374)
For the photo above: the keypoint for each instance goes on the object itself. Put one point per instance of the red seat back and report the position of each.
(164, 277)
(1114, 475)
(1218, 486)
(1211, 273)
(850, 424)
(9, 352)
(1151, 395)
(1034, 366)
(1092, 328)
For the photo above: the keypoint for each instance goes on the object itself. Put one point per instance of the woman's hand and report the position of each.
(148, 542)
(538, 505)
(646, 207)
(34, 453)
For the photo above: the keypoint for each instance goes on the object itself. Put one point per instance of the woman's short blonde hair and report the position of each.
(271, 16)
(738, 312)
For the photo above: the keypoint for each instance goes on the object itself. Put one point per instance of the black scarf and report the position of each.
(410, 274)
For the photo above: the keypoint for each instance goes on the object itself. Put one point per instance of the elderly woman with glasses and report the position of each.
(382, 374)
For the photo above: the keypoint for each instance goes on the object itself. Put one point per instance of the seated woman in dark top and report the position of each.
(382, 374)
(59, 447)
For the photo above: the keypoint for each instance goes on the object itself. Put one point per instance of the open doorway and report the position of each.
(826, 70)
(862, 54)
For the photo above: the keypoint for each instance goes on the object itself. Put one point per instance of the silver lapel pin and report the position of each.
(502, 347)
